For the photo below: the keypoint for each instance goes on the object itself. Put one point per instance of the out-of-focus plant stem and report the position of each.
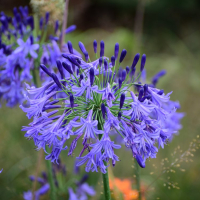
(64, 25)
(51, 180)
(39, 161)
(139, 20)
(137, 174)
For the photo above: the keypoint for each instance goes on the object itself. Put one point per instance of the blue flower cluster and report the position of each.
(93, 100)
(83, 190)
(22, 46)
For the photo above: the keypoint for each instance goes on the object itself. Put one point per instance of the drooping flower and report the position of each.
(102, 151)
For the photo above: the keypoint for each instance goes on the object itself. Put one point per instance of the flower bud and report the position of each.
(160, 92)
(55, 78)
(127, 69)
(26, 10)
(45, 69)
(145, 88)
(95, 46)
(116, 50)
(67, 67)
(31, 39)
(91, 76)
(83, 179)
(141, 92)
(81, 77)
(113, 60)
(123, 75)
(41, 23)
(122, 99)
(30, 22)
(18, 17)
(70, 47)
(120, 82)
(46, 18)
(103, 110)
(100, 61)
(135, 61)
(60, 68)
(143, 61)
(157, 76)
(122, 56)
(106, 64)
(102, 46)
(140, 160)
(15, 11)
(70, 29)
(119, 115)
(82, 47)
(71, 59)
(71, 99)
(86, 56)
(84, 51)
(56, 26)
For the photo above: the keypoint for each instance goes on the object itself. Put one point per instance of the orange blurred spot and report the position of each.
(124, 186)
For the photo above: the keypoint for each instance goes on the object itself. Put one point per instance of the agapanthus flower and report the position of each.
(27, 48)
(83, 190)
(22, 47)
(99, 101)
(44, 188)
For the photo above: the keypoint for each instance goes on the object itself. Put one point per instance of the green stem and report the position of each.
(51, 180)
(106, 185)
(137, 174)
(105, 176)
(34, 77)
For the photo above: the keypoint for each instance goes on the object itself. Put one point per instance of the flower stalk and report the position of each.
(137, 174)
(64, 24)
(106, 184)
(51, 180)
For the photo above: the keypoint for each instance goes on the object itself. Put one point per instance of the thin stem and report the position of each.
(105, 176)
(106, 184)
(64, 25)
(39, 161)
(51, 180)
(137, 174)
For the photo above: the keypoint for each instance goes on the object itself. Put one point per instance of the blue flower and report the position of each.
(139, 109)
(27, 48)
(36, 105)
(85, 85)
(28, 195)
(111, 122)
(88, 126)
(157, 98)
(96, 101)
(102, 151)
(107, 94)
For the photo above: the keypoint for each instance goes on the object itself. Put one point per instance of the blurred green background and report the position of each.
(168, 32)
